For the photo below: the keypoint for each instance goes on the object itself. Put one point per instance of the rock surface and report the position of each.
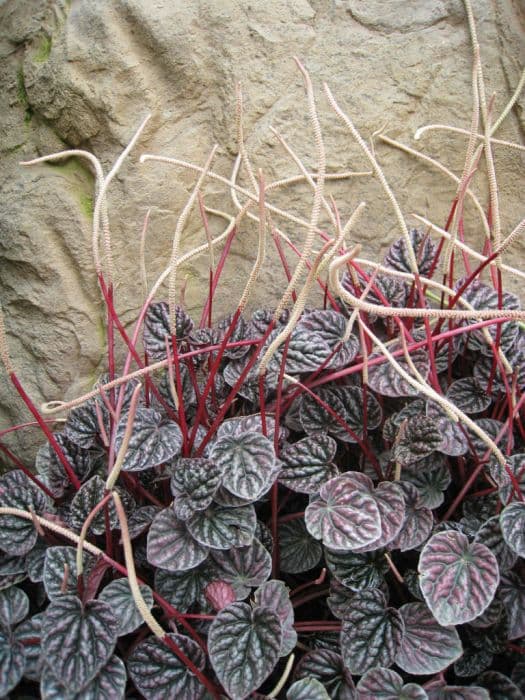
(84, 74)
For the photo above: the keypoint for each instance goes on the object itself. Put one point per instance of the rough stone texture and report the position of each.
(84, 74)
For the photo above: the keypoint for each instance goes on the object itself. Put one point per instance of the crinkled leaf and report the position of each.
(35, 562)
(275, 595)
(424, 250)
(243, 567)
(508, 487)
(12, 663)
(472, 662)
(512, 594)
(499, 686)
(453, 438)
(193, 485)
(307, 351)
(458, 692)
(242, 330)
(431, 477)
(417, 438)
(51, 469)
(18, 535)
(171, 546)
(247, 461)
(183, 588)
(371, 633)
(189, 398)
(357, 571)
(244, 645)
(60, 570)
(351, 398)
(491, 536)
(248, 424)
(140, 520)
(82, 425)
(159, 674)
(492, 428)
(153, 440)
(307, 689)
(468, 395)
(85, 499)
(307, 464)
(108, 684)
(221, 528)
(78, 639)
(393, 422)
(29, 634)
(314, 418)
(458, 579)
(390, 502)
(518, 675)
(157, 327)
(418, 520)
(426, 647)
(118, 596)
(298, 550)
(330, 327)
(385, 684)
(219, 594)
(512, 521)
(385, 379)
(327, 667)
(14, 606)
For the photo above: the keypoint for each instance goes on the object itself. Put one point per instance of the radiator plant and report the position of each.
(307, 502)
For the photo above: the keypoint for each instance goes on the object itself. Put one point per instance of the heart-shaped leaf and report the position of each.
(157, 327)
(51, 469)
(12, 663)
(329, 327)
(153, 440)
(509, 488)
(171, 546)
(327, 667)
(108, 684)
(14, 606)
(307, 464)
(512, 521)
(418, 520)
(384, 379)
(29, 634)
(307, 689)
(158, 673)
(274, 595)
(499, 687)
(512, 594)
(221, 528)
(219, 594)
(417, 438)
(431, 477)
(183, 588)
(243, 567)
(491, 536)
(248, 463)
(85, 499)
(424, 250)
(193, 485)
(82, 425)
(357, 572)
(371, 633)
(314, 418)
(298, 550)
(60, 570)
(248, 424)
(351, 398)
(140, 520)
(343, 518)
(385, 684)
(390, 502)
(468, 395)
(453, 436)
(458, 579)
(78, 639)
(244, 645)
(426, 647)
(307, 351)
(18, 535)
(117, 595)
(458, 692)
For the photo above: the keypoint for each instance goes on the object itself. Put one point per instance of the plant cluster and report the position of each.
(308, 502)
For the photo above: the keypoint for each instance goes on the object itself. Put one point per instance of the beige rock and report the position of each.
(84, 74)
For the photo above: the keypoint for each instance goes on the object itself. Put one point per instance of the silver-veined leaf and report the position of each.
(330, 326)
(117, 595)
(183, 588)
(78, 639)
(431, 477)
(468, 395)
(351, 398)
(243, 567)
(499, 687)
(386, 380)
(274, 595)
(14, 606)
(221, 528)
(307, 689)
(417, 438)
(29, 635)
(398, 255)
(344, 518)
(248, 463)
(52, 471)
(371, 633)
(458, 579)
(85, 499)
(82, 425)
(327, 667)
(171, 546)
(307, 464)
(512, 521)
(390, 502)
(515, 465)
(193, 485)
(418, 520)
(159, 674)
(453, 436)
(157, 327)
(385, 684)
(491, 536)
(140, 520)
(153, 440)
(60, 570)
(426, 647)
(512, 594)
(12, 663)
(357, 572)
(298, 550)
(108, 684)
(458, 692)
(244, 645)
(18, 535)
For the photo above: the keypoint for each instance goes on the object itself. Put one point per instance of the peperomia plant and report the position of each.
(318, 501)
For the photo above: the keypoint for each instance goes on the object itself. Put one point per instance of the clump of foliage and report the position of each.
(318, 502)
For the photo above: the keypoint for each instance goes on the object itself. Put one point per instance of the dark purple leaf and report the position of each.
(431, 477)
(512, 594)
(82, 424)
(86, 498)
(351, 398)
(140, 520)
(118, 596)
(329, 327)
(458, 692)
(385, 684)
(512, 522)
(371, 633)
(307, 689)
(417, 438)
(390, 502)
(221, 528)
(108, 684)
(472, 662)
(219, 594)
(426, 647)
(468, 395)
(499, 686)
(12, 663)
(307, 464)
(51, 469)
(424, 249)
(159, 674)
(418, 520)
(275, 596)
(60, 570)
(458, 579)
(29, 634)
(453, 439)
(357, 572)
(153, 440)
(315, 419)
(183, 588)
(248, 424)
(248, 463)
(157, 327)
(384, 378)
(193, 485)
(14, 606)
(244, 645)
(18, 535)
(298, 550)
(327, 667)
(171, 546)
(243, 567)
(491, 536)
(516, 467)
(78, 639)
